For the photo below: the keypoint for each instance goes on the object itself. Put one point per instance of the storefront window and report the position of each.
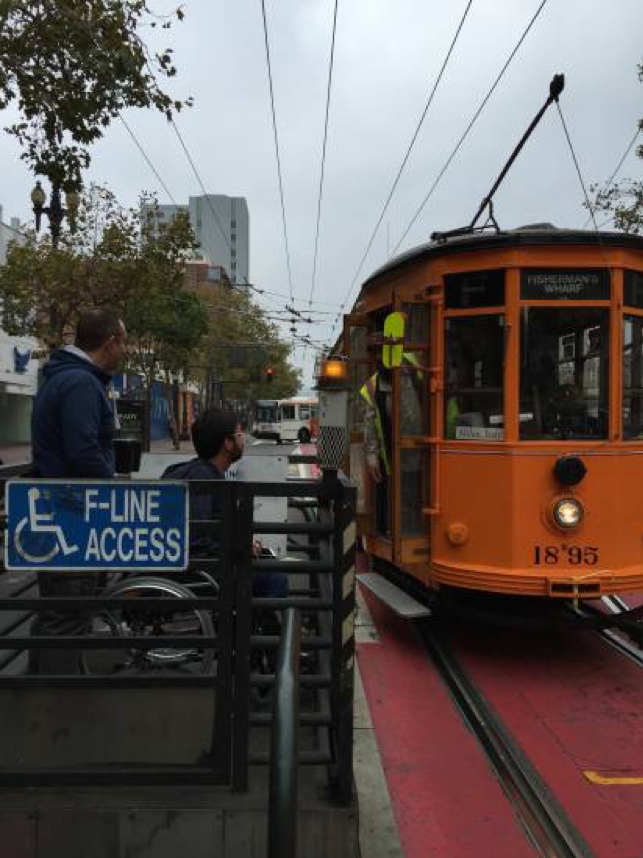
(632, 378)
(564, 373)
(473, 401)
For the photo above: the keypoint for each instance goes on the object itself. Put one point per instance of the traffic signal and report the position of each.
(270, 374)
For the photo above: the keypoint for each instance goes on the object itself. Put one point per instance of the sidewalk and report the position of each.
(14, 454)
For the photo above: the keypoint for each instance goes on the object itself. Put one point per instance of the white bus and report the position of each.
(298, 419)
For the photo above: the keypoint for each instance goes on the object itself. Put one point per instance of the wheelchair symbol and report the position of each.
(44, 538)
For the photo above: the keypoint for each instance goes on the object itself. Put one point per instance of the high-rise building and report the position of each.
(222, 228)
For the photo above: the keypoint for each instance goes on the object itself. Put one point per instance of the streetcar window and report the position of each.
(632, 378)
(413, 470)
(474, 289)
(357, 341)
(474, 402)
(633, 288)
(564, 373)
(416, 331)
(413, 402)
(288, 412)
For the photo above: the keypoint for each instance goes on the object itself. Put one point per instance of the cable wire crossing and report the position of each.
(323, 159)
(412, 143)
(456, 149)
(274, 127)
(470, 125)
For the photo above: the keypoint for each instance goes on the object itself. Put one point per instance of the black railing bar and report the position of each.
(272, 641)
(292, 602)
(296, 548)
(92, 642)
(303, 503)
(309, 680)
(306, 758)
(306, 719)
(123, 777)
(88, 603)
(299, 527)
(170, 679)
(303, 459)
(293, 566)
(305, 489)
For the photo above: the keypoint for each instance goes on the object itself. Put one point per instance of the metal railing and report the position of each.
(322, 589)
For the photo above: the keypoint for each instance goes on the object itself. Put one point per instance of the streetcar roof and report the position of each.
(531, 234)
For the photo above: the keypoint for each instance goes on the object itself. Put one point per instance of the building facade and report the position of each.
(18, 366)
(222, 228)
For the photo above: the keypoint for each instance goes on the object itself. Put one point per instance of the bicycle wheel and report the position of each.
(136, 621)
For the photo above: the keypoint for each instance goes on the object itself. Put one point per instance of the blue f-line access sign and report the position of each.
(60, 525)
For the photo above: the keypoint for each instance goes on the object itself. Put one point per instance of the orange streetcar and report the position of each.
(515, 427)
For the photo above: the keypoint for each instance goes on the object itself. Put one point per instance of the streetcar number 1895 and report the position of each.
(574, 555)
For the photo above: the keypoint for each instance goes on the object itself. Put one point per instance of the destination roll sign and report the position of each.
(111, 525)
(565, 284)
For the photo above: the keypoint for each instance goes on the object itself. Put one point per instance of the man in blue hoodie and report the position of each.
(73, 429)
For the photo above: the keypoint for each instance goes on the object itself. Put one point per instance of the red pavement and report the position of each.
(445, 797)
(574, 705)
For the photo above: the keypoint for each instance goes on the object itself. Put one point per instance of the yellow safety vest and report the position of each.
(367, 392)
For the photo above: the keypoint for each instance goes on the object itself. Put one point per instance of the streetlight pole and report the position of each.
(55, 211)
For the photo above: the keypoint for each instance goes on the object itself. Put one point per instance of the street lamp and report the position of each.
(55, 211)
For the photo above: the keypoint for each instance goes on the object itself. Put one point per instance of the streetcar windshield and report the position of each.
(564, 373)
(474, 404)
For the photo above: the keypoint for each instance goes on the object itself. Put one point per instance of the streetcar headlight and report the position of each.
(568, 512)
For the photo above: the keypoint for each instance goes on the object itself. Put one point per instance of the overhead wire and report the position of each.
(472, 122)
(323, 158)
(147, 159)
(277, 153)
(616, 171)
(459, 143)
(590, 207)
(414, 137)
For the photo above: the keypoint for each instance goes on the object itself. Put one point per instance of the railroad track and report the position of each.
(616, 605)
(546, 823)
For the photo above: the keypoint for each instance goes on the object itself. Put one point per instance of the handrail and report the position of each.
(284, 743)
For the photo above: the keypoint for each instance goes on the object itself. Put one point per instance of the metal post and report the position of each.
(343, 658)
(283, 802)
(241, 725)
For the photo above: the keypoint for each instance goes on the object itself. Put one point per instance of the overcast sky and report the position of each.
(387, 57)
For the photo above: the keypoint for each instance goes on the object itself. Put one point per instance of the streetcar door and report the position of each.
(412, 450)
(357, 329)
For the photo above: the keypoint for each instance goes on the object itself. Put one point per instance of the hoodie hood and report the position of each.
(66, 361)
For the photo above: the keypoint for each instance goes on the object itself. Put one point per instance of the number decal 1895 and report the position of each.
(572, 555)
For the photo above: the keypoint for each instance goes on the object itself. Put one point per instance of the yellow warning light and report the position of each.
(333, 373)
(334, 369)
